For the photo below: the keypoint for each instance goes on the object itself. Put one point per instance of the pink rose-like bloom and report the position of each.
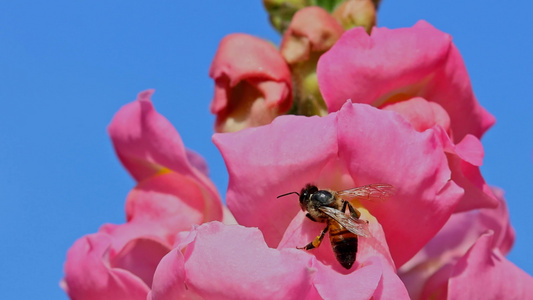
(252, 83)
(172, 194)
(396, 65)
(472, 242)
(217, 261)
(355, 146)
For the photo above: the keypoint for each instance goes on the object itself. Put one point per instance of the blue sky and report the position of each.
(67, 67)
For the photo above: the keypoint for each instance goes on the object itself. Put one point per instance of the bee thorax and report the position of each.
(316, 214)
(322, 197)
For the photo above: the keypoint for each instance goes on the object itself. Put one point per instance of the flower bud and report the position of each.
(354, 13)
(311, 33)
(252, 83)
(281, 12)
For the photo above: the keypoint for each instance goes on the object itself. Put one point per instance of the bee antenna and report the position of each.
(288, 194)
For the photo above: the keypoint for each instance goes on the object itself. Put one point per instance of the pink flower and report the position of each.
(356, 146)
(252, 83)
(172, 194)
(469, 242)
(217, 261)
(418, 73)
(151, 150)
(396, 65)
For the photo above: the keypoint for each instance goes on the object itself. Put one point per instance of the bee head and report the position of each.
(306, 193)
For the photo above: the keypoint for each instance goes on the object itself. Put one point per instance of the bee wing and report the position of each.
(376, 191)
(355, 226)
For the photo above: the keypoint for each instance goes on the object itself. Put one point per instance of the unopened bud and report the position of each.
(281, 12)
(312, 32)
(354, 13)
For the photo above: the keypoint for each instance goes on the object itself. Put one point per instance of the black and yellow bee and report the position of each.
(328, 206)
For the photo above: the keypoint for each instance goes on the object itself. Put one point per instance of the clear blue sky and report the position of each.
(67, 67)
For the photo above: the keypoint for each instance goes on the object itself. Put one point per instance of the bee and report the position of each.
(328, 206)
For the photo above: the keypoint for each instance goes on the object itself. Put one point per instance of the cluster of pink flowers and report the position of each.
(394, 107)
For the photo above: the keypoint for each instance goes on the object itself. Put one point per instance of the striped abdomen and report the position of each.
(344, 243)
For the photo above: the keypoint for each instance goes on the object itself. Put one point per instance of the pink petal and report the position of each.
(169, 279)
(437, 258)
(145, 141)
(124, 234)
(159, 208)
(390, 151)
(360, 284)
(398, 64)
(88, 274)
(484, 273)
(498, 220)
(421, 113)
(436, 286)
(265, 162)
(465, 157)
(147, 144)
(169, 198)
(197, 161)
(217, 261)
(233, 262)
(470, 150)
(373, 274)
(390, 286)
(140, 257)
(138, 246)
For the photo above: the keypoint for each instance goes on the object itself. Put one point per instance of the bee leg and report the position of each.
(317, 241)
(353, 212)
(310, 217)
